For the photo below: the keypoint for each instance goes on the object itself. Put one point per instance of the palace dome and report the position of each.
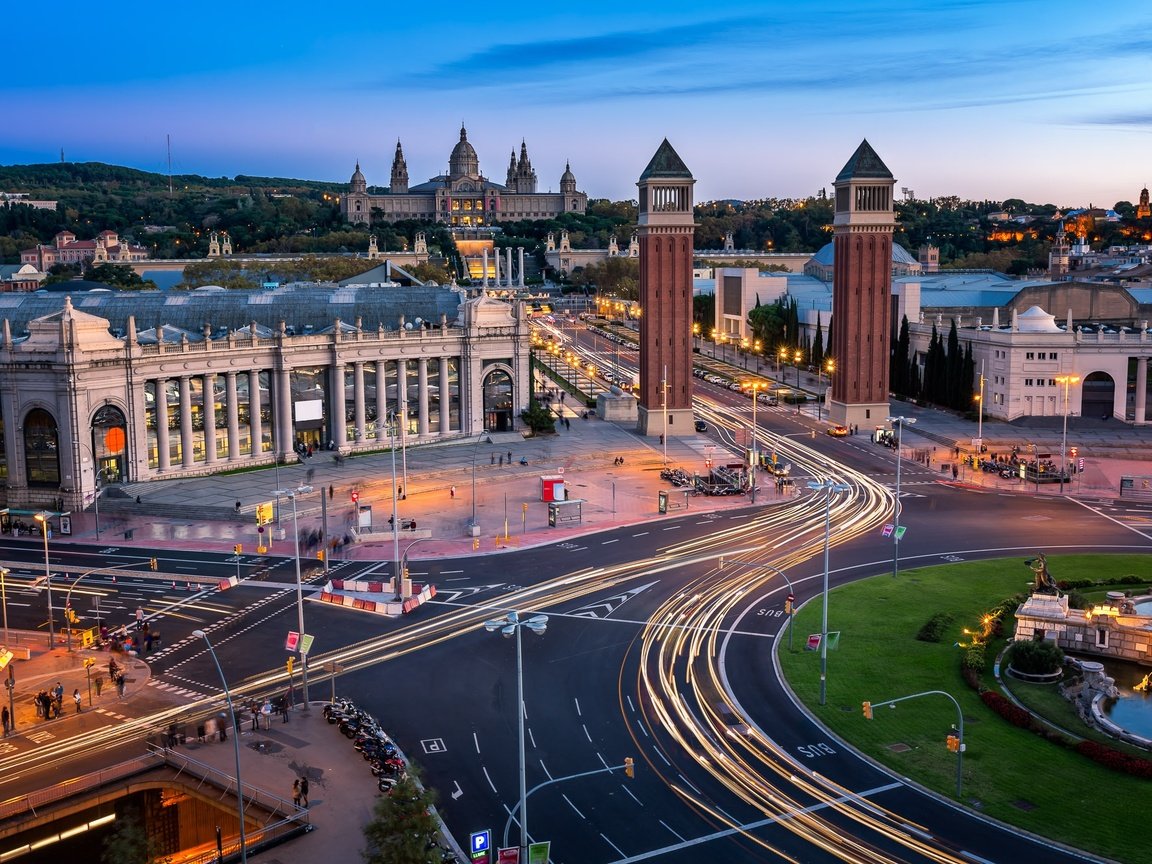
(463, 160)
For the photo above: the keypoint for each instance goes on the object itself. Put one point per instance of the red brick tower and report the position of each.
(862, 289)
(666, 232)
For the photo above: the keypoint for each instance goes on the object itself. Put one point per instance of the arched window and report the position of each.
(110, 443)
(497, 401)
(41, 449)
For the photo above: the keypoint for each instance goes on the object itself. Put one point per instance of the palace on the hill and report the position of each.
(462, 197)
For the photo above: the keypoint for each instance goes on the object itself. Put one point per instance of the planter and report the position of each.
(1043, 678)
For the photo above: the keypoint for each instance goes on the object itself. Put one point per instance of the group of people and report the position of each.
(300, 791)
(49, 704)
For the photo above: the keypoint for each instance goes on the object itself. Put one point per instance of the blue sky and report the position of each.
(1047, 101)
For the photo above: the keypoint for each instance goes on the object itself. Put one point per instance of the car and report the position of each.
(701, 426)
(837, 431)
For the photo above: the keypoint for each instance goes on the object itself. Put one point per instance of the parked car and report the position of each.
(837, 431)
(701, 426)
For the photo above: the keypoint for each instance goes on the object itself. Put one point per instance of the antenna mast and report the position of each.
(169, 138)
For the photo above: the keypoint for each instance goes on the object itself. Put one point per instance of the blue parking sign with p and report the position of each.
(480, 846)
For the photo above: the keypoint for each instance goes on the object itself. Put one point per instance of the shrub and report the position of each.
(974, 658)
(1131, 580)
(933, 629)
(1014, 714)
(1115, 759)
(1036, 657)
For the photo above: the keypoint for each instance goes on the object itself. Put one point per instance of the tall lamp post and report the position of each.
(200, 634)
(829, 367)
(797, 356)
(1067, 381)
(96, 500)
(42, 517)
(754, 387)
(510, 625)
(292, 493)
(828, 487)
(980, 413)
(899, 423)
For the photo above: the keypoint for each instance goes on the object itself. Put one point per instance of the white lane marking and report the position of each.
(532, 737)
(544, 768)
(689, 785)
(633, 797)
(577, 701)
(457, 792)
(446, 572)
(476, 741)
(670, 828)
(489, 779)
(631, 707)
(1113, 519)
(619, 851)
(586, 733)
(641, 534)
(606, 542)
(671, 528)
(578, 813)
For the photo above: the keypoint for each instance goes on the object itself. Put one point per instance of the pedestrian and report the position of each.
(223, 727)
(139, 617)
(509, 457)
(266, 713)
(501, 460)
(255, 709)
(59, 693)
(567, 423)
(304, 790)
(120, 682)
(491, 458)
(452, 492)
(76, 699)
(6, 719)
(955, 471)
(331, 491)
(400, 492)
(284, 709)
(296, 792)
(172, 736)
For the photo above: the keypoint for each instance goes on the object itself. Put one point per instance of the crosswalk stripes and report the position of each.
(113, 714)
(172, 688)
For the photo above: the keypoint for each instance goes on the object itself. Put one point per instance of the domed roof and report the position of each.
(567, 175)
(358, 183)
(463, 159)
(1036, 320)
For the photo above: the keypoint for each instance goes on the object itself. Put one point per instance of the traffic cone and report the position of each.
(173, 584)
(191, 587)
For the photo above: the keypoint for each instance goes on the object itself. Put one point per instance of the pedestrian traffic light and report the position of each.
(953, 742)
(867, 710)
(355, 496)
(153, 564)
(629, 767)
(291, 660)
(238, 548)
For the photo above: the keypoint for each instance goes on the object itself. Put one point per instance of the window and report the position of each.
(1027, 382)
(1052, 355)
(1051, 382)
(1101, 637)
(1031, 355)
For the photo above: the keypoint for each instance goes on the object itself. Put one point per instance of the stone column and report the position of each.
(358, 396)
(401, 386)
(422, 396)
(233, 409)
(186, 421)
(255, 421)
(1141, 391)
(209, 406)
(339, 417)
(381, 399)
(445, 397)
(163, 448)
(520, 252)
(282, 431)
(484, 282)
(508, 255)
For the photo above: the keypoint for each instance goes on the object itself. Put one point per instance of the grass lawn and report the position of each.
(1009, 774)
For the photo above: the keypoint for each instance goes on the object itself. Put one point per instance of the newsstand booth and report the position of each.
(552, 487)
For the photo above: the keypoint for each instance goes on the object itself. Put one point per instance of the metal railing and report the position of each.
(75, 785)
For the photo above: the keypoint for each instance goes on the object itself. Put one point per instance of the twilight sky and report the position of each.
(1046, 100)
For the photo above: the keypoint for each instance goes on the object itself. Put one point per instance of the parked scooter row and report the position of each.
(370, 740)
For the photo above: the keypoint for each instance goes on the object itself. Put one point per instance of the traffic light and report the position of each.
(153, 564)
(291, 660)
(867, 710)
(789, 603)
(238, 548)
(355, 496)
(953, 742)
(629, 767)
(320, 555)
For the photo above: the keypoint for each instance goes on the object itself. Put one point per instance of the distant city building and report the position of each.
(463, 196)
(66, 249)
(1143, 210)
(7, 199)
(20, 277)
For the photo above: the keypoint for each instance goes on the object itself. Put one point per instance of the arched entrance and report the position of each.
(41, 449)
(1098, 398)
(110, 444)
(497, 401)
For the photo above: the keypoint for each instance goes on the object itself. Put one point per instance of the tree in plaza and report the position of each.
(899, 370)
(955, 368)
(401, 826)
(538, 418)
(129, 842)
(818, 345)
(704, 312)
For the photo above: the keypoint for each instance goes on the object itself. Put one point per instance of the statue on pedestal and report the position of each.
(1044, 584)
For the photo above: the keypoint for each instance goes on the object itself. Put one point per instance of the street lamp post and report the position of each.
(4, 571)
(510, 625)
(828, 486)
(235, 743)
(830, 367)
(798, 356)
(96, 501)
(754, 387)
(42, 517)
(292, 493)
(1067, 381)
(980, 413)
(899, 423)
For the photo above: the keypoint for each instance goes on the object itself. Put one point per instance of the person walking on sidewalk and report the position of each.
(76, 699)
(304, 791)
(296, 792)
(7, 719)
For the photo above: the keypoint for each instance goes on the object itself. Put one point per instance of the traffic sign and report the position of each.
(1080, 464)
(480, 841)
(306, 643)
(538, 852)
(886, 531)
(813, 642)
(292, 641)
(508, 855)
(900, 532)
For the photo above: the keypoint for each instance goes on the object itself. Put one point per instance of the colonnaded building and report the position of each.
(137, 386)
(462, 197)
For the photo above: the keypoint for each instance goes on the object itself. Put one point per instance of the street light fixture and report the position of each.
(510, 625)
(200, 634)
(798, 355)
(42, 517)
(899, 423)
(754, 387)
(4, 571)
(1067, 381)
(828, 486)
(829, 367)
(292, 493)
